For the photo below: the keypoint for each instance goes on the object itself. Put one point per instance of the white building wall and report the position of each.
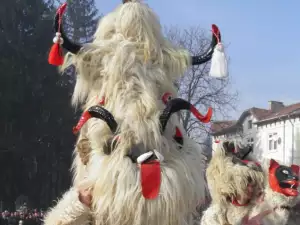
(245, 136)
(249, 134)
(288, 151)
(261, 148)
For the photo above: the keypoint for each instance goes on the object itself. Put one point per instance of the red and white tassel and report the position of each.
(56, 57)
(219, 67)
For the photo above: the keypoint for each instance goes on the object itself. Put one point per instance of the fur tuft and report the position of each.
(117, 192)
(228, 179)
(129, 42)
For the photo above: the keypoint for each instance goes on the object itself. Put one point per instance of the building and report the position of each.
(274, 132)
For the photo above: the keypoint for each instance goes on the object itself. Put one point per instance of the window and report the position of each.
(279, 141)
(270, 141)
(250, 140)
(275, 145)
(249, 124)
(270, 144)
(273, 141)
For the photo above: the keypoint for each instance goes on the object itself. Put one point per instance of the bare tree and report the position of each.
(197, 87)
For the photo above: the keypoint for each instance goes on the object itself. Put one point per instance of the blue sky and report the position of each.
(263, 38)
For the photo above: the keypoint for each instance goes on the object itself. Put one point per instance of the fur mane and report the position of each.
(117, 193)
(125, 47)
(132, 65)
(227, 179)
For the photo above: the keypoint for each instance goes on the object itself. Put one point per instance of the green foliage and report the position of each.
(36, 118)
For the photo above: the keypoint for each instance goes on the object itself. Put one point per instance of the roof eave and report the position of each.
(273, 119)
(233, 128)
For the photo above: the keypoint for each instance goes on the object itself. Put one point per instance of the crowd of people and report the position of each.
(31, 217)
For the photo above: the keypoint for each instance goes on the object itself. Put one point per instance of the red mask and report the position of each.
(296, 169)
(283, 179)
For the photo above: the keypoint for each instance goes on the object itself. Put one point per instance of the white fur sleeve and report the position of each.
(213, 216)
(68, 211)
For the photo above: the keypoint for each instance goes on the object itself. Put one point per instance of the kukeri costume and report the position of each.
(279, 192)
(141, 166)
(235, 187)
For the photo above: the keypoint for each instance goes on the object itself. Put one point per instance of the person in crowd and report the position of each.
(12, 220)
(33, 217)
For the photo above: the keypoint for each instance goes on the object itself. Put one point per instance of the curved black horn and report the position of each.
(177, 104)
(207, 55)
(101, 113)
(67, 44)
(242, 153)
(250, 149)
(229, 147)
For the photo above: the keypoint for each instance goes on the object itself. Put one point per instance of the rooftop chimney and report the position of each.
(275, 106)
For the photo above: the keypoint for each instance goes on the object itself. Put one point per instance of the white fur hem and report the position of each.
(68, 211)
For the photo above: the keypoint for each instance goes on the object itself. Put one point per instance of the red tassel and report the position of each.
(56, 55)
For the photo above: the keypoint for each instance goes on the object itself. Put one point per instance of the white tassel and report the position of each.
(142, 158)
(58, 39)
(219, 67)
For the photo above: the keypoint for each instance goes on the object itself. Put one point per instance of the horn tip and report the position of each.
(75, 130)
(62, 8)
(215, 29)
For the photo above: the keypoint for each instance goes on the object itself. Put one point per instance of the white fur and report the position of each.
(78, 169)
(69, 210)
(117, 193)
(132, 65)
(229, 180)
(221, 213)
(224, 214)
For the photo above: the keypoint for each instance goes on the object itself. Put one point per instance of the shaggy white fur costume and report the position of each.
(280, 203)
(132, 65)
(228, 180)
(274, 207)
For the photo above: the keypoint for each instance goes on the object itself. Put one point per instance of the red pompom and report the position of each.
(56, 57)
(56, 54)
